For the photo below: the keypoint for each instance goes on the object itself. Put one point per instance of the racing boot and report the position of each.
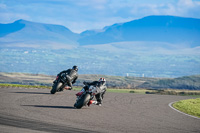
(91, 102)
(98, 103)
(68, 88)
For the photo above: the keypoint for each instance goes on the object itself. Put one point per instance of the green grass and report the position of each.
(142, 91)
(175, 92)
(138, 91)
(119, 90)
(189, 106)
(24, 86)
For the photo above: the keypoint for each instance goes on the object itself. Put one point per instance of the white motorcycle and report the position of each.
(84, 97)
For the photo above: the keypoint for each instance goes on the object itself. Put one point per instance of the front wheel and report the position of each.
(82, 101)
(56, 87)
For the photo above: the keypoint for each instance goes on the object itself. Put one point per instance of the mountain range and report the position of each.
(159, 46)
(24, 33)
(169, 29)
(163, 29)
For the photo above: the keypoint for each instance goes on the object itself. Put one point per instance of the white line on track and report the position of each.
(170, 105)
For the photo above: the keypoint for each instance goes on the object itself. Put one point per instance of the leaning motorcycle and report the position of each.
(86, 96)
(59, 84)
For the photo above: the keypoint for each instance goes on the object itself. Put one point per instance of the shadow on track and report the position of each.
(36, 125)
(33, 93)
(45, 106)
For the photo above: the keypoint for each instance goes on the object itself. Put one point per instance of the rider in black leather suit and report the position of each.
(71, 75)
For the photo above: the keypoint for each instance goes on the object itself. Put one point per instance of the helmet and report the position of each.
(102, 80)
(75, 68)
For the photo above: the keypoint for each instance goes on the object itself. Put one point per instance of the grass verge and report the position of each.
(138, 91)
(189, 106)
(76, 88)
(175, 92)
(24, 86)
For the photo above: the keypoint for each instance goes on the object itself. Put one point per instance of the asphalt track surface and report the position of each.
(37, 111)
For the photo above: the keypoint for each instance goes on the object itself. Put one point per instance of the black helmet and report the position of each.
(75, 68)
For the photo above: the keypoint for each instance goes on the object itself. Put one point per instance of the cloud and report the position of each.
(3, 6)
(184, 8)
(7, 14)
(13, 16)
(95, 4)
(188, 8)
(80, 15)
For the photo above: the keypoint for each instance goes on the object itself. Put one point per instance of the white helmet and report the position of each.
(102, 79)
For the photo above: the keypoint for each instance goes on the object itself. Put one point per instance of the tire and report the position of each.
(56, 87)
(82, 102)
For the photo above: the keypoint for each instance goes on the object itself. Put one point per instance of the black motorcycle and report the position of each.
(85, 97)
(59, 84)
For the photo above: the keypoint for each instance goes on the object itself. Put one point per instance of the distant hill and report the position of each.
(161, 29)
(10, 28)
(153, 46)
(24, 33)
(168, 29)
(186, 82)
(41, 79)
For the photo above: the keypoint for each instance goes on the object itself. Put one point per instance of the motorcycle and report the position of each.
(85, 96)
(59, 84)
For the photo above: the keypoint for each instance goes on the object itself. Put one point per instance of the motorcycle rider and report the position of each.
(101, 87)
(71, 75)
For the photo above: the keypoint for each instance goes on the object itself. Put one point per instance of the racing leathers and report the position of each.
(71, 76)
(101, 91)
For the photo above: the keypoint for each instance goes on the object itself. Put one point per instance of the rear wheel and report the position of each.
(82, 102)
(56, 87)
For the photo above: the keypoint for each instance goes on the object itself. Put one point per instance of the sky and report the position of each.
(81, 15)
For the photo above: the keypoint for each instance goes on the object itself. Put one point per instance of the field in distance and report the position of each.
(190, 84)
